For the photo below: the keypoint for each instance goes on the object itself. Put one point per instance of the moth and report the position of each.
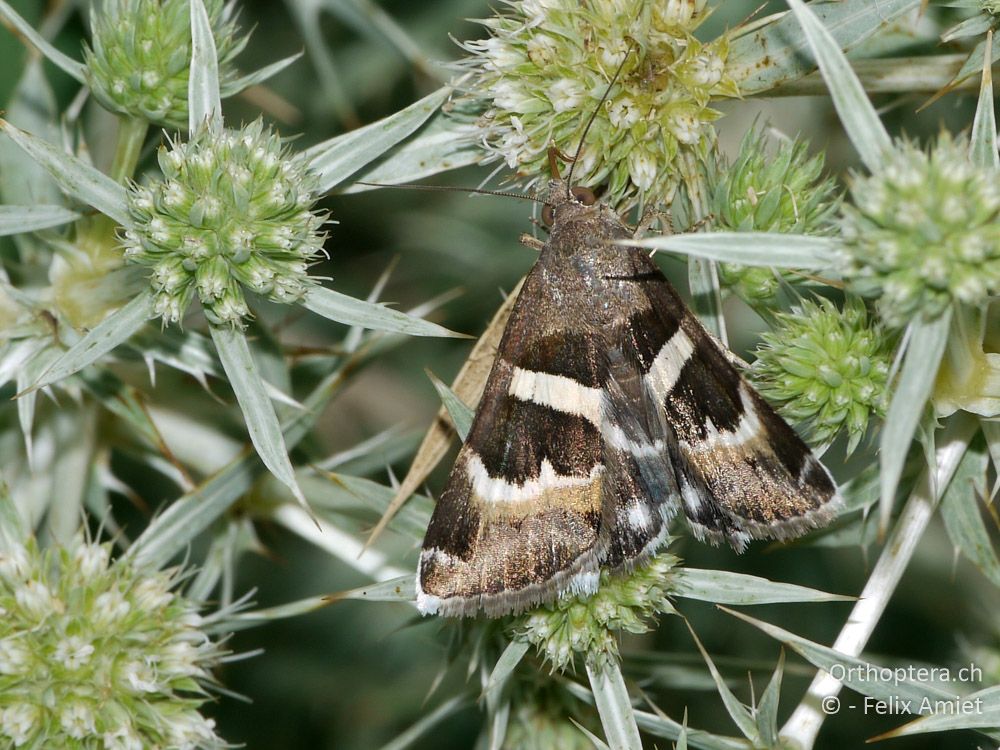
(608, 408)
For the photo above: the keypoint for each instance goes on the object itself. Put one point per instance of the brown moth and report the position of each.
(608, 408)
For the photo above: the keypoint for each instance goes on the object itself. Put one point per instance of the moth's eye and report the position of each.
(548, 215)
(584, 196)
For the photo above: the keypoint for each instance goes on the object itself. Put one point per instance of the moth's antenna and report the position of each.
(451, 189)
(593, 116)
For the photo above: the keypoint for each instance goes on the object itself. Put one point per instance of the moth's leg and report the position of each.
(702, 223)
(533, 242)
(650, 217)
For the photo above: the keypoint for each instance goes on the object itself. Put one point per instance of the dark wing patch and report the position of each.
(573, 354)
(513, 437)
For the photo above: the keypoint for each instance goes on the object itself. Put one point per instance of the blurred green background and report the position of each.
(354, 675)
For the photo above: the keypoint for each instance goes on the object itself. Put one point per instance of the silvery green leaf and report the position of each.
(212, 565)
(499, 719)
(682, 738)
(737, 711)
(337, 159)
(428, 722)
(13, 529)
(257, 76)
(383, 448)
(854, 672)
(377, 317)
(444, 144)
(614, 705)
(962, 516)
(926, 75)
(101, 339)
(36, 40)
(258, 411)
(272, 364)
(400, 589)
(983, 141)
(187, 351)
(991, 431)
(979, 710)
(69, 474)
(26, 403)
(14, 356)
(703, 274)
(32, 107)
(748, 248)
(974, 63)
(307, 16)
(76, 178)
(860, 120)
(923, 354)
(337, 541)
(19, 219)
(123, 400)
(204, 100)
(977, 24)
(349, 496)
(595, 741)
(504, 668)
(725, 587)
(461, 415)
(767, 57)
(257, 617)
(766, 714)
(706, 296)
(188, 516)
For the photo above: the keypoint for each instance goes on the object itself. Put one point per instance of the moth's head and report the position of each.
(576, 210)
(563, 202)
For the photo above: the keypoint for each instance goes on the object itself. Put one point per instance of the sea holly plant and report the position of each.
(545, 62)
(233, 211)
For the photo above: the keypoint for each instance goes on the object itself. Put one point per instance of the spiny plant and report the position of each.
(877, 294)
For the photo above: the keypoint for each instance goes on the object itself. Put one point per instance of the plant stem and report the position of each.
(803, 725)
(131, 135)
(97, 233)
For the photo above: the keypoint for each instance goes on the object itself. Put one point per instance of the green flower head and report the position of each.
(139, 58)
(233, 211)
(924, 232)
(535, 727)
(826, 369)
(548, 63)
(784, 193)
(99, 655)
(589, 624)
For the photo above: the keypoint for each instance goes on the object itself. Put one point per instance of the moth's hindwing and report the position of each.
(742, 472)
(607, 408)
